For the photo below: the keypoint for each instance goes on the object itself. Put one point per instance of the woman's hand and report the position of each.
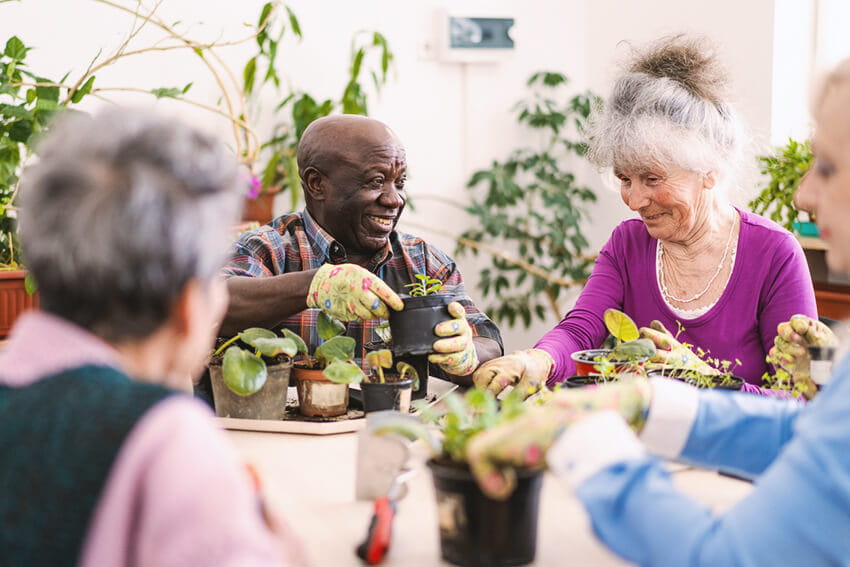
(527, 370)
(790, 349)
(670, 352)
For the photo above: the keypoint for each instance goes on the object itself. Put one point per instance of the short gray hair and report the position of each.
(669, 108)
(121, 211)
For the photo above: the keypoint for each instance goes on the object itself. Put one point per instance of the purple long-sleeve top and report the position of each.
(770, 282)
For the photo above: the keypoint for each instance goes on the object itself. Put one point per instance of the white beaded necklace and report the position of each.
(660, 272)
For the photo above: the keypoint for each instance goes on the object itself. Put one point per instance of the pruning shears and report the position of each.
(378, 537)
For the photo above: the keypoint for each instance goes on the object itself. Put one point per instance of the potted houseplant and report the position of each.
(424, 307)
(628, 353)
(784, 171)
(476, 530)
(387, 390)
(322, 379)
(418, 362)
(252, 382)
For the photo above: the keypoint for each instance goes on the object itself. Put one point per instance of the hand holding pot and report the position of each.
(523, 442)
(790, 349)
(670, 352)
(526, 369)
(456, 353)
(349, 292)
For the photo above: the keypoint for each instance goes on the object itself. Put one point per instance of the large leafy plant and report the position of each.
(784, 171)
(532, 206)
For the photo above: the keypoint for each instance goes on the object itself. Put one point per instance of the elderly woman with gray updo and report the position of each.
(692, 263)
(126, 220)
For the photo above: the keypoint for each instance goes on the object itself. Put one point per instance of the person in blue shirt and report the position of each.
(606, 443)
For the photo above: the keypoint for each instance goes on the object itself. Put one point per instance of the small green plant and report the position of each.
(335, 356)
(378, 360)
(245, 370)
(784, 171)
(424, 286)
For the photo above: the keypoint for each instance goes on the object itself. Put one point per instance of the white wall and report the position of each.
(453, 118)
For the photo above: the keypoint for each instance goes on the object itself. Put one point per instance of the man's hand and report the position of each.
(350, 293)
(527, 369)
(524, 441)
(456, 353)
(670, 352)
(790, 353)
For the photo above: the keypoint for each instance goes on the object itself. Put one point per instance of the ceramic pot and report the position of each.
(269, 402)
(14, 298)
(318, 396)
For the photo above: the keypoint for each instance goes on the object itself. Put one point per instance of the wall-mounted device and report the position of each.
(470, 38)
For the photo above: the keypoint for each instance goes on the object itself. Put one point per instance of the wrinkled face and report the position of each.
(364, 194)
(671, 202)
(825, 191)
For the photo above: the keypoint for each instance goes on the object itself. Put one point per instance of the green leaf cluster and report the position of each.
(244, 369)
(783, 170)
(532, 206)
(425, 285)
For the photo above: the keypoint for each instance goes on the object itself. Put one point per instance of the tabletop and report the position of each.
(311, 481)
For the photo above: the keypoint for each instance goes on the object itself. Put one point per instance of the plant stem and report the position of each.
(226, 344)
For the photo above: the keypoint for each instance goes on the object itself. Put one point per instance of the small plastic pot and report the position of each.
(269, 402)
(413, 327)
(478, 531)
(318, 396)
(419, 363)
(698, 380)
(393, 394)
(587, 362)
(585, 380)
(821, 364)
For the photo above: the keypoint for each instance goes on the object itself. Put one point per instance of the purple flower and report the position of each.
(254, 186)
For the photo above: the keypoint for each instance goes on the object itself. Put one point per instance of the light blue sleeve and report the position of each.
(797, 514)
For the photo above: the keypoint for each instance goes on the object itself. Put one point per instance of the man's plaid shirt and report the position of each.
(295, 242)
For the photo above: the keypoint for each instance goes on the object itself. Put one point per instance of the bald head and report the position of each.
(340, 138)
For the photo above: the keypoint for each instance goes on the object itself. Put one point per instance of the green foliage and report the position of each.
(424, 286)
(245, 371)
(377, 360)
(466, 416)
(784, 171)
(532, 205)
(370, 55)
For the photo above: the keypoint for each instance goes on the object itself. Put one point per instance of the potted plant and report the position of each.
(322, 379)
(424, 307)
(387, 390)
(252, 382)
(418, 362)
(476, 530)
(784, 171)
(629, 353)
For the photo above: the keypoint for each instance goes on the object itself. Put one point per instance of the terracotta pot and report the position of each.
(260, 209)
(14, 298)
(587, 362)
(269, 402)
(318, 396)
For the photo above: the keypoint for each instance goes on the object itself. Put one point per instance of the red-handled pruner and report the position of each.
(377, 542)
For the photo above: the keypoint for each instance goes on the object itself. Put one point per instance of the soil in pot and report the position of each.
(479, 531)
(413, 327)
(318, 396)
(269, 402)
(419, 363)
(392, 394)
(587, 362)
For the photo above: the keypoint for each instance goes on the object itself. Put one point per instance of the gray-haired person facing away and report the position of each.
(125, 221)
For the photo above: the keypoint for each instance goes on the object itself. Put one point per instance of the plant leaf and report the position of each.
(244, 372)
(275, 346)
(300, 345)
(337, 348)
(328, 327)
(376, 358)
(248, 336)
(343, 372)
(620, 325)
(83, 90)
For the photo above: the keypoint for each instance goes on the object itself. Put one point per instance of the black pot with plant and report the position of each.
(418, 362)
(413, 327)
(721, 381)
(387, 390)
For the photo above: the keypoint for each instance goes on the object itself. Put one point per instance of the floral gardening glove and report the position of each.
(790, 353)
(524, 441)
(670, 352)
(350, 293)
(527, 369)
(456, 353)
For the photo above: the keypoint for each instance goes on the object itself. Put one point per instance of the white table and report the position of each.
(310, 479)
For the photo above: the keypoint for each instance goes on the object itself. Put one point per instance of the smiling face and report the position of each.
(358, 195)
(671, 201)
(825, 191)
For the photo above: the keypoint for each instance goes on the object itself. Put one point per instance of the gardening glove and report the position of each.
(670, 352)
(455, 354)
(524, 441)
(350, 293)
(790, 353)
(527, 370)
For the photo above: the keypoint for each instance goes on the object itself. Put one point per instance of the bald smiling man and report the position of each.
(353, 171)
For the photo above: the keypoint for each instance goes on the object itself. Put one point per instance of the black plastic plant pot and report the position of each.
(476, 531)
(419, 363)
(698, 380)
(387, 396)
(413, 327)
(586, 380)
